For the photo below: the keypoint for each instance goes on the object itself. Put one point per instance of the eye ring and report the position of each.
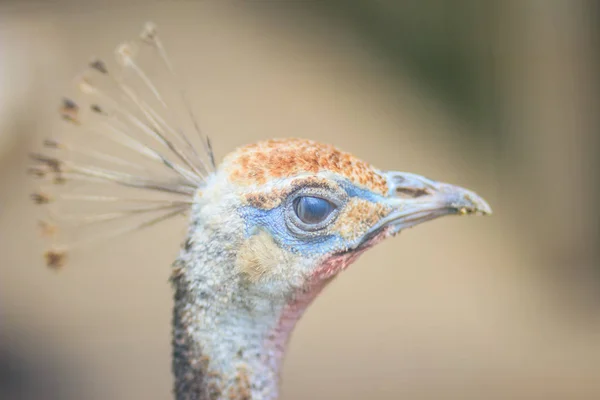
(295, 223)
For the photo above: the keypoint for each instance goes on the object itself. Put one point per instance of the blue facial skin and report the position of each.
(355, 191)
(273, 221)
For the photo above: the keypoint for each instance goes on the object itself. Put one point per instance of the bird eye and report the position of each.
(312, 210)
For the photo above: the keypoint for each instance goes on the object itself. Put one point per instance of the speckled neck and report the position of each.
(228, 341)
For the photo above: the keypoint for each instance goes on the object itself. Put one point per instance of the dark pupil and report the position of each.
(312, 210)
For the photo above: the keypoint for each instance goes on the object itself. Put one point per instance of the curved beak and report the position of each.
(415, 199)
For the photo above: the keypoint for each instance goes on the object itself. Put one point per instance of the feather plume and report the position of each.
(125, 157)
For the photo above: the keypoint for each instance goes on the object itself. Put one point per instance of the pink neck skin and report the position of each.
(294, 310)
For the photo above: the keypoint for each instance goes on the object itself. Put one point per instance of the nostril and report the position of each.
(411, 192)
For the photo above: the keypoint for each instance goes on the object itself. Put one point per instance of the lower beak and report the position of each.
(415, 199)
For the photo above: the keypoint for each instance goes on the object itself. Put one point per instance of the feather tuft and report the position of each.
(125, 159)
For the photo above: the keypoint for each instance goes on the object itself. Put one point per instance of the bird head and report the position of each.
(297, 212)
(285, 213)
(269, 226)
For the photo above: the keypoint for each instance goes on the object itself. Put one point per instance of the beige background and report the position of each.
(470, 308)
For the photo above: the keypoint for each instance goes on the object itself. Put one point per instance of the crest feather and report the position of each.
(126, 157)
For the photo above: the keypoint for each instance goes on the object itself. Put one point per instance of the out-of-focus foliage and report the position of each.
(445, 45)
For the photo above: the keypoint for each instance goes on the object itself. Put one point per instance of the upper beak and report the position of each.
(415, 199)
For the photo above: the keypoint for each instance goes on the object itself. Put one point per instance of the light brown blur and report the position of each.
(460, 308)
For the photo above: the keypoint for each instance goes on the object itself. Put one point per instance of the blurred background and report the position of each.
(499, 96)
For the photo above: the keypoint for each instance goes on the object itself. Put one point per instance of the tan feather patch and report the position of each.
(261, 257)
(358, 216)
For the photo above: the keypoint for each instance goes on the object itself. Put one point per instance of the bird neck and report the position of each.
(229, 339)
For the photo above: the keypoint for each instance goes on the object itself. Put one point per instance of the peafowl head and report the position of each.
(296, 212)
(268, 227)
